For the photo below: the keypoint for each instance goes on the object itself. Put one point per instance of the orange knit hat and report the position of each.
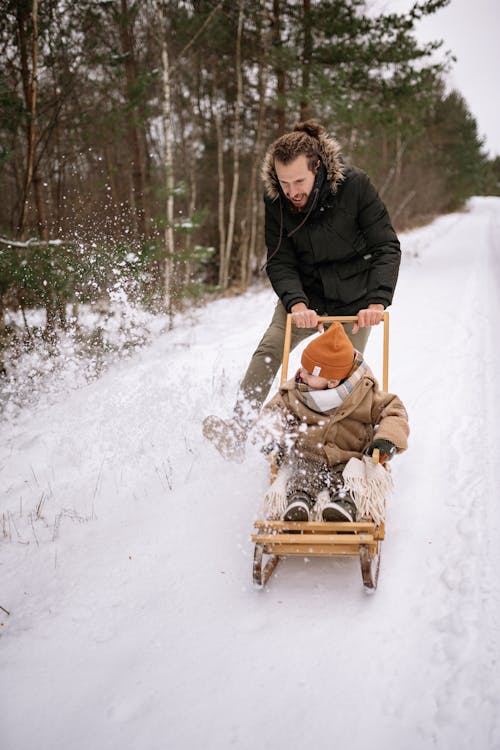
(330, 355)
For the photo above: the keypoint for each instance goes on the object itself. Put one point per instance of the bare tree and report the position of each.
(254, 203)
(279, 70)
(306, 60)
(30, 84)
(125, 21)
(226, 257)
(221, 188)
(168, 165)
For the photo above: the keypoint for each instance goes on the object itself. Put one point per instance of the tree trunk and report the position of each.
(168, 168)
(400, 149)
(280, 73)
(248, 257)
(306, 61)
(188, 149)
(221, 220)
(224, 270)
(133, 134)
(40, 206)
(191, 210)
(30, 85)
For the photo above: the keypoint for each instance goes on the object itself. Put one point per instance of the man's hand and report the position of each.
(305, 318)
(371, 316)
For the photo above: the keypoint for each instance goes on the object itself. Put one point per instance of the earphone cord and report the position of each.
(316, 191)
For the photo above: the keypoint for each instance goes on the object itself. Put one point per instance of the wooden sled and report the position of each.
(277, 539)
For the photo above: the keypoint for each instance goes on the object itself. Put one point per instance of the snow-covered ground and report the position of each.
(126, 556)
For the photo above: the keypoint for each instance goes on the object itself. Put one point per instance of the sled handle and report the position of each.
(340, 319)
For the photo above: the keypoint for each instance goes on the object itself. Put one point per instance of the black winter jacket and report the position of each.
(346, 254)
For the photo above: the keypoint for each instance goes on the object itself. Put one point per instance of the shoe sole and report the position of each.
(297, 511)
(334, 512)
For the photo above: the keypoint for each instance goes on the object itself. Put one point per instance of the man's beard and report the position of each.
(298, 206)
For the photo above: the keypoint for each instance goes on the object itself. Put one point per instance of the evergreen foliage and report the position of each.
(96, 114)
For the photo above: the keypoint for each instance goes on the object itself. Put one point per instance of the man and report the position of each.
(331, 250)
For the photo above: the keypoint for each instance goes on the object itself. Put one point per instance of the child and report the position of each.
(333, 410)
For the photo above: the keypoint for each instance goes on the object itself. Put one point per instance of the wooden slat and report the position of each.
(311, 526)
(322, 527)
(385, 371)
(286, 349)
(319, 550)
(312, 539)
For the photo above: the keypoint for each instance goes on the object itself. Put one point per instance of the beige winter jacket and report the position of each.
(337, 436)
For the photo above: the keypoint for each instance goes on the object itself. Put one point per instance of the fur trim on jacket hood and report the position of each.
(330, 154)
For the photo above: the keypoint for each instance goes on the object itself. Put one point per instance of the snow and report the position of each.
(126, 554)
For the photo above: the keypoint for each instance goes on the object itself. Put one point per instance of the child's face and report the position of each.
(316, 382)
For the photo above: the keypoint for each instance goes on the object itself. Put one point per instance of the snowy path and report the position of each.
(126, 562)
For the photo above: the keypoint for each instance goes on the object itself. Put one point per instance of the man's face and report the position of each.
(296, 180)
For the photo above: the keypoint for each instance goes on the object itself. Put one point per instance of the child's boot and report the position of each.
(340, 507)
(299, 507)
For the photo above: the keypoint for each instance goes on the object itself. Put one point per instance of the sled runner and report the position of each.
(277, 539)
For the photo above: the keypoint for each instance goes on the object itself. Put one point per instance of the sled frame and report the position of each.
(275, 540)
(278, 539)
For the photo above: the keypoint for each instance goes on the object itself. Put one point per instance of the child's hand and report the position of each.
(386, 449)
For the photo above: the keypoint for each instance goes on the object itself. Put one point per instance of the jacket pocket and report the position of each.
(353, 279)
(355, 267)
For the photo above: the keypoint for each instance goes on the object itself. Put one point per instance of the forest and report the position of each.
(132, 135)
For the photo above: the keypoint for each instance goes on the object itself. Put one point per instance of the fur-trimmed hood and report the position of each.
(330, 154)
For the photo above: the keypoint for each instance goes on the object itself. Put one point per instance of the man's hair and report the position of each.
(303, 140)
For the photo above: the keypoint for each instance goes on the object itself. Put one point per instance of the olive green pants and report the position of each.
(266, 359)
